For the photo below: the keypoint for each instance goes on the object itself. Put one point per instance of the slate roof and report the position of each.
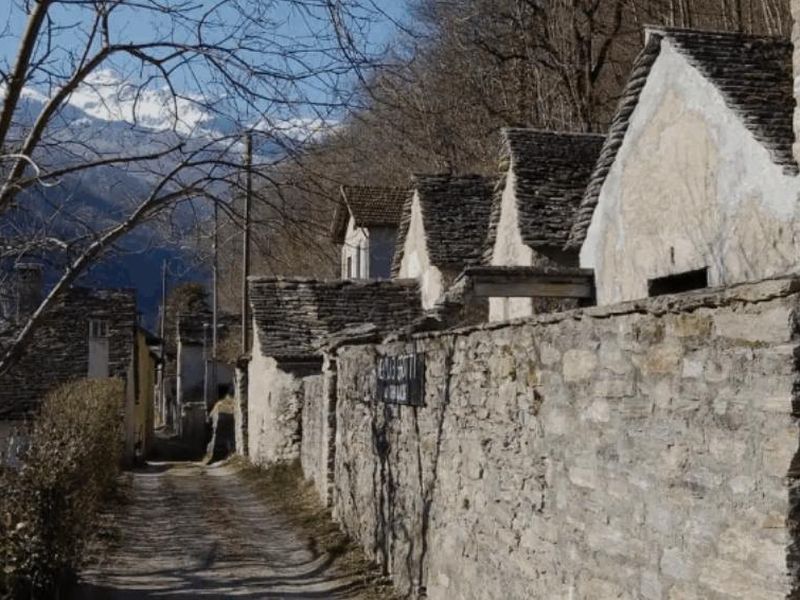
(551, 170)
(455, 212)
(294, 316)
(369, 206)
(754, 76)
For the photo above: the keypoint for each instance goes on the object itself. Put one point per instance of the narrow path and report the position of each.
(193, 531)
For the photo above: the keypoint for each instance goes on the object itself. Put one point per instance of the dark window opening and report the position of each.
(676, 284)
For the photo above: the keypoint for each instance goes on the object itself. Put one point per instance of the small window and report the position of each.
(98, 328)
(678, 283)
(358, 273)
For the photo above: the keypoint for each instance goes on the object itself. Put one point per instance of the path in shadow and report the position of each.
(193, 531)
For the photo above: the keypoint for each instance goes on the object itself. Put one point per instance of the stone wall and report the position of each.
(319, 430)
(642, 450)
(314, 439)
(240, 408)
(274, 404)
(59, 349)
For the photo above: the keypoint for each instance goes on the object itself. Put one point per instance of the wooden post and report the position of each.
(163, 383)
(246, 240)
(214, 302)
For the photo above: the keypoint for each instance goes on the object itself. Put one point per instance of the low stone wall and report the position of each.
(636, 451)
(275, 395)
(240, 408)
(319, 430)
(314, 439)
(274, 400)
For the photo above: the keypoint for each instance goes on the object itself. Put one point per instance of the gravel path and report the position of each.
(193, 531)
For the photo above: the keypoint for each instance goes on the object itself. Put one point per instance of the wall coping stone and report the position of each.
(744, 293)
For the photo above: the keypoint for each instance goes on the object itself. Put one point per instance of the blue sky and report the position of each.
(12, 22)
(291, 26)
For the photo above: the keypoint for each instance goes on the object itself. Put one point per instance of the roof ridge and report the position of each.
(670, 29)
(395, 188)
(552, 132)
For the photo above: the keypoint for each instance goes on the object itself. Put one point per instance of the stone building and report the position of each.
(697, 184)
(291, 317)
(543, 179)
(442, 231)
(87, 333)
(365, 225)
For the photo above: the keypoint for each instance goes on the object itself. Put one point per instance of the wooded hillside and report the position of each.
(457, 72)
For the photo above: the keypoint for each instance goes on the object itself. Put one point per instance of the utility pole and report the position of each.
(248, 162)
(214, 292)
(163, 334)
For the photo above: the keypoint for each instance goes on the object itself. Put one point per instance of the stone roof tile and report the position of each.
(551, 171)
(370, 207)
(294, 316)
(455, 211)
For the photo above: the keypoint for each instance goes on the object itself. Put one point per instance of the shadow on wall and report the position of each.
(387, 433)
(793, 484)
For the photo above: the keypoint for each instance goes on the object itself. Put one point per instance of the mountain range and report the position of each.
(110, 118)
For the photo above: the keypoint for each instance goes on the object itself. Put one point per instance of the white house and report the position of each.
(443, 231)
(365, 225)
(697, 184)
(544, 177)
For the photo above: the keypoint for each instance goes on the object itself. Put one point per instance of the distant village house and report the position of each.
(365, 226)
(87, 333)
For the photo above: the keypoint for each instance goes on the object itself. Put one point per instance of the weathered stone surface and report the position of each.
(636, 452)
(317, 447)
(274, 404)
(59, 349)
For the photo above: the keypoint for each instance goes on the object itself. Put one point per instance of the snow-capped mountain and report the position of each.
(106, 97)
(106, 117)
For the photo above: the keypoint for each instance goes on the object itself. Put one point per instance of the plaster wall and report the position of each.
(370, 250)
(690, 188)
(642, 450)
(416, 263)
(356, 248)
(274, 405)
(510, 250)
(144, 407)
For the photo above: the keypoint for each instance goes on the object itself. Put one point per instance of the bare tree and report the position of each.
(169, 86)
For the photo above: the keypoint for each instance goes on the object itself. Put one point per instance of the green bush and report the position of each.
(50, 502)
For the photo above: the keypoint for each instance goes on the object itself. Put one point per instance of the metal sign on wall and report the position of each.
(401, 379)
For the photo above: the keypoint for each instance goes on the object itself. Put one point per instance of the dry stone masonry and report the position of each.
(59, 351)
(643, 450)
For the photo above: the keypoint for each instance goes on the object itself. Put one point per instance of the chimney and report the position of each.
(796, 62)
(29, 281)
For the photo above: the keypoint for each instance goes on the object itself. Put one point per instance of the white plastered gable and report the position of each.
(416, 263)
(690, 188)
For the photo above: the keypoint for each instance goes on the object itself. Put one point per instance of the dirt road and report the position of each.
(202, 532)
